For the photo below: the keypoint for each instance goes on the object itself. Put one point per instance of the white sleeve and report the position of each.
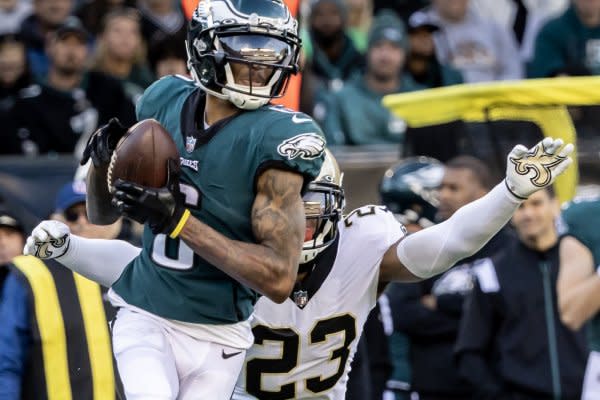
(433, 250)
(99, 260)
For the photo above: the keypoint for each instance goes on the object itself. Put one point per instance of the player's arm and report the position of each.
(270, 266)
(99, 150)
(578, 285)
(98, 201)
(433, 250)
(101, 261)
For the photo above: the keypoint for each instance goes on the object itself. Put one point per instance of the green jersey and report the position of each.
(220, 165)
(582, 219)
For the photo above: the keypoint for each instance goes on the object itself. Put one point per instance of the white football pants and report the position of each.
(157, 362)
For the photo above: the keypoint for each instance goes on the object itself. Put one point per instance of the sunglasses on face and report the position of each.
(73, 214)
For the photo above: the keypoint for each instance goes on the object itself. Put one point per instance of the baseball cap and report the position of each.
(10, 221)
(72, 26)
(421, 19)
(388, 26)
(70, 194)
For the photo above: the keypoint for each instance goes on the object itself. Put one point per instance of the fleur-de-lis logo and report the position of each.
(540, 162)
(42, 247)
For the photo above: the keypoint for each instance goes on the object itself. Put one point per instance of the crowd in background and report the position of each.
(68, 66)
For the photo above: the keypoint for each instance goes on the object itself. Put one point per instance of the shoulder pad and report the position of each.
(161, 93)
(373, 223)
(292, 138)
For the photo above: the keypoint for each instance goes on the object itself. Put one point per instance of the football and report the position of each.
(141, 155)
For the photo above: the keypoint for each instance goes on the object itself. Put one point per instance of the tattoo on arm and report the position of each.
(278, 224)
(278, 213)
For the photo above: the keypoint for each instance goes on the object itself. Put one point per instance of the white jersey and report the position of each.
(305, 353)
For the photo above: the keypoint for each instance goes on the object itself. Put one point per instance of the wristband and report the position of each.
(184, 217)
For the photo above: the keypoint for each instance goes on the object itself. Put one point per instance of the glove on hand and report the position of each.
(102, 143)
(50, 239)
(163, 209)
(529, 170)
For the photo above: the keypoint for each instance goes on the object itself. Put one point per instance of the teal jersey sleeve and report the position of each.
(582, 220)
(291, 140)
(161, 96)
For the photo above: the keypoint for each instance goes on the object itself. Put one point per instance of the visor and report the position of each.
(315, 204)
(256, 48)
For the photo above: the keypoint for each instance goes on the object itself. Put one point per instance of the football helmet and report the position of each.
(259, 37)
(323, 206)
(410, 190)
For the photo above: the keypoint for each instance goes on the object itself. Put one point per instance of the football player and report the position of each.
(229, 225)
(304, 346)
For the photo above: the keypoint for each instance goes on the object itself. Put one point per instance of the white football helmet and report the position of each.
(260, 35)
(323, 206)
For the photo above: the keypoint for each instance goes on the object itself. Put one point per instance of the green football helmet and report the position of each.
(410, 190)
(256, 35)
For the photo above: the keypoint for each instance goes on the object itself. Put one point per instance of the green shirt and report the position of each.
(565, 43)
(583, 219)
(219, 171)
(354, 114)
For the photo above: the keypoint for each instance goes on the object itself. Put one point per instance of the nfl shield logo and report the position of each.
(301, 298)
(190, 144)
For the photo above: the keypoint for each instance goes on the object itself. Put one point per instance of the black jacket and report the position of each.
(55, 120)
(433, 333)
(512, 343)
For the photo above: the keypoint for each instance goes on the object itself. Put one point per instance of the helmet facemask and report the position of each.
(323, 207)
(247, 63)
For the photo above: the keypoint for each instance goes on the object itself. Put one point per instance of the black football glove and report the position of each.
(163, 209)
(103, 142)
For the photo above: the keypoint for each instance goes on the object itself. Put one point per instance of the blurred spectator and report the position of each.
(12, 240)
(360, 16)
(73, 102)
(429, 312)
(47, 16)
(579, 282)
(480, 49)
(121, 51)
(168, 57)
(12, 14)
(523, 17)
(14, 77)
(571, 41)
(512, 343)
(49, 310)
(354, 114)
(92, 12)
(331, 55)
(162, 18)
(422, 63)
(404, 8)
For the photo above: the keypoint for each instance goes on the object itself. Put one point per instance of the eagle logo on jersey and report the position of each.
(307, 146)
(540, 162)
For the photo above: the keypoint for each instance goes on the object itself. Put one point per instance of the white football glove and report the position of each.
(50, 239)
(529, 170)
